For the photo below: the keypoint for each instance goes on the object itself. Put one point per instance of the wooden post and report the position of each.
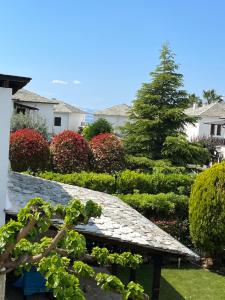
(114, 269)
(157, 264)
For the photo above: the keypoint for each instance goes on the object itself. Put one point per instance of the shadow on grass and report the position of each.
(144, 277)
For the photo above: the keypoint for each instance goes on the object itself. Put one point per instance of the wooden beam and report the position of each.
(133, 276)
(157, 264)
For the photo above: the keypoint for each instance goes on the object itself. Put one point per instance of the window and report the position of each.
(212, 130)
(218, 132)
(57, 121)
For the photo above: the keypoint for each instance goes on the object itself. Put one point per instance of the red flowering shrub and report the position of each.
(108, 153)
(70, 152)
(28, 150)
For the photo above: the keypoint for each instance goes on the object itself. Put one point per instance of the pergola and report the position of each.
(119, 224)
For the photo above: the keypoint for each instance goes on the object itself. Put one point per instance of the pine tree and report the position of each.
(158, 110)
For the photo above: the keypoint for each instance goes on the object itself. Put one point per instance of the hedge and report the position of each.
(161, 205)
(127, 182)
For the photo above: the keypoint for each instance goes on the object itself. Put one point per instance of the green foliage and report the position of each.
(99, 126)
(159, 206)
(211, 96)
(158, 110)
(21, 121)
(127, 182)
(83, 270)
(146, 165)
(180, 152)
(207, 209)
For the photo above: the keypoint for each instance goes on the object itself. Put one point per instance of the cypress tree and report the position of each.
(158, 110)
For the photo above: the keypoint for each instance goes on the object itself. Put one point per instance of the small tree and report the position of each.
(28, 150)
(99, 126)
(181, 152)
(22, 121)
(61, 259)
(207, 210)
(108, 153)
(70, 152)
(158, 110)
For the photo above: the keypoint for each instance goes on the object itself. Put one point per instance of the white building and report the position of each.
(67, 117)
(210, 121)
(58, 115)
(117, 115)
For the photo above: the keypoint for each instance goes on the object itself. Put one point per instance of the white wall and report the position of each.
(64, 122)
(192, 131)
(45, 111)
(75, 120)
(204, 127)
(116, 121)
(6, 106)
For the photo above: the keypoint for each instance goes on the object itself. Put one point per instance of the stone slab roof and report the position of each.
(119, 222)
(214, 109)
(116, 110)
(63, 107)
(27, 96)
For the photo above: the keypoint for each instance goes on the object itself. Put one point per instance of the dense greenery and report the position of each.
(159, 206)
(126, 182)
(207, 210)
(158, 110)
(24, 243)
(97, 127)
(181, 152)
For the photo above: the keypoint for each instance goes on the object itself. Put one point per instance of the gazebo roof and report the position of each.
(14, 82)
(119, 222)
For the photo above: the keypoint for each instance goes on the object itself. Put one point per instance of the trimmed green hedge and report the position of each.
(127, 182)
(159, 206)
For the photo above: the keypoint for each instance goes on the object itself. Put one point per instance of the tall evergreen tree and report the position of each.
(158, 110)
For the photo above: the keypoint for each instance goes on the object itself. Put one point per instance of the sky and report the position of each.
(97, 53)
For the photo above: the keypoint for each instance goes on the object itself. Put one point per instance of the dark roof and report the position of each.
(27, 96)
(14, 82)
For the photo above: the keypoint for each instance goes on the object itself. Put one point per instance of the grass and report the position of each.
(184, 283)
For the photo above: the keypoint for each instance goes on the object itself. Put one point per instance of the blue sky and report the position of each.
(100, 51)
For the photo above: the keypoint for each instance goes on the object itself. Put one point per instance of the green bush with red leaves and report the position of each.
(70, 152)
(107, 153)
(28, 151)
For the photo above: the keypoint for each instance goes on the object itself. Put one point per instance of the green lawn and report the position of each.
(184, 283)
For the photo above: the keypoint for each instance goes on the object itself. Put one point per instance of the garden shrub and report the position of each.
(108, 153)
(28, 150)
(70, 152)
(129, 181)
(207, 210)
(157, 206)
(93, 181)
(98, 127)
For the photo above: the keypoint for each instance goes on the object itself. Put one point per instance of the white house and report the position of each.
(210, 121)
(67, 116)
(117, 115)
(57, 114)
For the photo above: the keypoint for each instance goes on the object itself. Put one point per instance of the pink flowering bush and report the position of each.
(107, 153)
(70, 152)
(28, 150)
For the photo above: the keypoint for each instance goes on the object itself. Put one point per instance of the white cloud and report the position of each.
(76, 82)
(57, 81)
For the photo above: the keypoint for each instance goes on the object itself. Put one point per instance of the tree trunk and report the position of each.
(2, 287)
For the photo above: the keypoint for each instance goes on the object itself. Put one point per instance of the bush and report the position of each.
(22, 121)
(28, 150)
(70, 152)
(93, 181)
(108, 153)
(158, 206)
(207, 209)
(147, 165)
(181, 152)
(129, 181)
(99, 126)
